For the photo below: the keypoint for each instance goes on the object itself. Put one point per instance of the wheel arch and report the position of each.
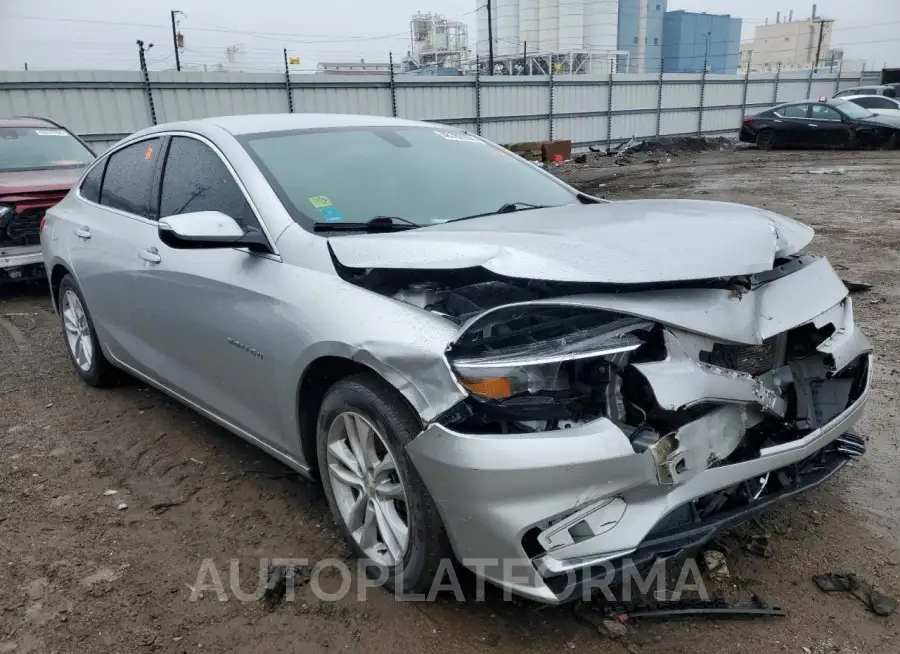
(323, 372)
(57, 272)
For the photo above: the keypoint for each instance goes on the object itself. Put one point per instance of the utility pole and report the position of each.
(26, 66)
(819, 47)
(524, 55)
(490, 39)
(147, 92)
(175, 39)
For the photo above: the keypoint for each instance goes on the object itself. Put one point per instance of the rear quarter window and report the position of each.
(90, 185)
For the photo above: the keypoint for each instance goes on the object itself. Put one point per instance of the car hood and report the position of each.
(621, 242)
(38, 181)
(883, 120)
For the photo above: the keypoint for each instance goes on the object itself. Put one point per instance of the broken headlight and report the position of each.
(571, 376)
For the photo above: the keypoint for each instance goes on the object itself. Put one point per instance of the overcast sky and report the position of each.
(85, 34)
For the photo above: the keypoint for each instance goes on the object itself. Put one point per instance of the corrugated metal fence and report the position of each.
(105, 106)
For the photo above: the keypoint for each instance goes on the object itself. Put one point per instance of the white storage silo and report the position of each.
(548, 15)
(481, 29)
(571, 25)
(529, 25)
(601, 25)
(507, 28)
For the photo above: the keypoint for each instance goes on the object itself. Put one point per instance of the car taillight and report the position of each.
(42, 223)
(747, 119)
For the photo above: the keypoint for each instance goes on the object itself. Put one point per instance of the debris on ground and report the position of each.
(818, 171)
(864, 591)
(122, 506)
(714, 608)
(109, 492)
(856, 287)
(277, 582)
(760, 544)
(716, 565)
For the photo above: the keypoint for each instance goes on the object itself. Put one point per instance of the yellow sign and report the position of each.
(294, 60)
(320, 201)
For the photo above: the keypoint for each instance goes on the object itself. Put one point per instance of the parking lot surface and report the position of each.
(82, 573)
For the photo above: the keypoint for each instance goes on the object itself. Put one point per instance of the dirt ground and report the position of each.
(78, 574)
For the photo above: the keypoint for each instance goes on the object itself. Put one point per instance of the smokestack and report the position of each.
(778, 17)
(814, 12)
(791, 16)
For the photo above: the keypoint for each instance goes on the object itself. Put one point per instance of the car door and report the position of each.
(791, 124)
(827, 127)
(206, 337)
(110, 221)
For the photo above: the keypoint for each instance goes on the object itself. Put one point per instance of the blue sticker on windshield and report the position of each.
(331, 214)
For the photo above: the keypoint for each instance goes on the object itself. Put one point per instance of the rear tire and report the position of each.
(378, 416)
(765, 140)
(81, 338)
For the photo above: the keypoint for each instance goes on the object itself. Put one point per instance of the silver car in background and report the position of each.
(477, 360)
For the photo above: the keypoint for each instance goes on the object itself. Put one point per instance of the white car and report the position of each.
(877, 104)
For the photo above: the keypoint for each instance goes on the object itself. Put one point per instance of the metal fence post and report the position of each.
(393, 86)
(551, 102)
(609, 105)
(659, 94)
(777, 80)
(147, 90)
(287, 84)
(746, 85)
(837, 82)
(702, 99)
(809, 84)
(478, 96)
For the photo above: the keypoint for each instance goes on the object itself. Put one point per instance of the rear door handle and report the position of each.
(150, 255)
(83, 232)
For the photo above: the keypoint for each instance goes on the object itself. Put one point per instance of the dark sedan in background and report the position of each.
(832, 123)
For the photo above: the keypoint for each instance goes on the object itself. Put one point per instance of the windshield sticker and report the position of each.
(50, 132)
(331, 214)
(319, 201)
(462, 137)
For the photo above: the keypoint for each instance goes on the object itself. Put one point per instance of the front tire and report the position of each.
(81, 338)
(379, 502)
(765, 140)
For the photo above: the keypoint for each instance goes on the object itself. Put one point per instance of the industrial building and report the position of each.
(692, 42)
(531, 36)
(438, 46)
(795, 44)
(641, 34)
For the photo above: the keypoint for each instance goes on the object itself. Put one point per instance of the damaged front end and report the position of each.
(598, 423)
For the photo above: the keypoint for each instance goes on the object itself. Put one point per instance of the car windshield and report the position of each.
(854, 110)
(38, 148)
(420, 175)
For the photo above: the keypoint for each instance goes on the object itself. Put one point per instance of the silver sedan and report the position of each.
(478, 361)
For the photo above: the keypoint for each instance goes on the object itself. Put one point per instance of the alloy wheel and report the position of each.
(78, 331)
(369, 493)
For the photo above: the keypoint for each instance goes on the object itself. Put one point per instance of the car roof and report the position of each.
(882, 97)
(27, 121)
(261, 123)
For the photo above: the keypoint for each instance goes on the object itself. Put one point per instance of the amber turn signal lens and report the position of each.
(493, 387)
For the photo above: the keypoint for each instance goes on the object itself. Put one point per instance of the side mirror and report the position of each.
(207, 229)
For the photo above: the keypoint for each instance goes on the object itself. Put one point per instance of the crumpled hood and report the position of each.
(621, 242)
(39, 181)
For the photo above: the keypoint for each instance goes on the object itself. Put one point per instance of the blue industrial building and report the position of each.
(643, 57)
(691, 39)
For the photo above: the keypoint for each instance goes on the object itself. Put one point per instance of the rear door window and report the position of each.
(795, 111)
(196, 179)
(129, 178)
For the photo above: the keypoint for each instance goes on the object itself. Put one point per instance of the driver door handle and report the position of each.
(83, 232)
(150, 255)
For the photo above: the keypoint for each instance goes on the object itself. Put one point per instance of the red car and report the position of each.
(40, 160)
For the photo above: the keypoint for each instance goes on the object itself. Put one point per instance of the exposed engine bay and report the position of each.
(532, 363)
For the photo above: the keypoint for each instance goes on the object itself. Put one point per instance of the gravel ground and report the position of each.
(82, 575)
